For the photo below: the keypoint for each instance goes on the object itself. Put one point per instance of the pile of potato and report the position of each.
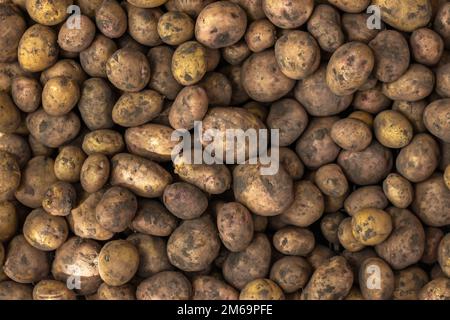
(92, 206)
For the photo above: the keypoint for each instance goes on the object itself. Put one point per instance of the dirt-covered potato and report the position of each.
(250, 186)
(11, 290)
(190, 105)
(349, 68)
(118, 262)
(135, 109)
(294, 241)
(59, 199)
(376, 279)
(371, 100)
(447, 177)
(94, 172)
(413, 111)
(352, 6)
(154, 219)
(392, 129)
(351, 134)
(67, 68)
(189, 63)
(175, 27)
(407, 240)
(435, 119)
(426, 46)
(111, 19)
(331, 180)
(408, 283)
(442, 81)
(152, 254)
(416, 84)
(128, 70)
(48, 12)
(166, 285)
(184, 200)
(418, 160)
(261, 289)
(24, 263)
(433, 237)
(26, 93)
(253, 263)
(329, 226)
(210, 288)
(143, 25)
(437, 289)
(10, 175)
(68, 163)
(398, 190)
(105, 141)
(78, 259)
(307, 207)
(444, 254)
(60, 95)
(235, 226)
(236, 53)
(263, 79)
(287, 14)
(319, 256)
(194, 245)
(234, 74)
(325, 26)
(371, 226)
(52, 290)
(315, 146)
(13, 25)
(10, 114)
(260, 35)
(346, 237)
(317, 98)
(94, 58)
(77, 39)
(291, 163)
(8, 221)
(291, 273)
(107, 292)
(330, 281)
(356, 28)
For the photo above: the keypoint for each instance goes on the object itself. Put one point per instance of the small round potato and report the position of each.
(111, 19)
(175, 27)
(235, 226)
(143, 25)
(118, 262)
(60, 95)
(167, 285)
(184, 200)
(107, 292)
(76, 39)
(59, 199)
(346, 238)
(154, 219)
(260, 35)
(26, 93)
(8, 221)
(48, 12)
(426, 46)
(294, 241)
(398, 190)
(94, 58)
(371, 226)
(189, 63)
(220, 24)
(261, 289)
(210, 288)
(291, 273)
(376, 279)
(433, 237)
(435, 118)
(392, 129)
(329, 225)
(52, 290)
(331, 180)
(351, 134)
(288, 14)
(190, 105)
(94, 172)
(236, 53)
(68, 163)
(9, 174)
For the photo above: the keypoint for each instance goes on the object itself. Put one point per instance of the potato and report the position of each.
(351, 6)
(261, 289)
(287, 14)
(260, 35)
(329, 225)
(253, 263)
(441, 24)
(331, 180)
(10, 290)
(60, 95)
(371, 100)
(212, 59)
(366, 167)
(147, 3)
(294, 241)
(398, 190)
(192, 8)
(436, 290)
(314, 94)
(307, 207)
(418, 160)
(77, 39)
(53, 131)
(346, 237)
(77, 260)
(189, 106)
(68, 163)
(94, 172)
(103, 141)
(407, 240)
(442, 81)
(234, 74)
(426, 46)
(319, 256)
(291, 273)
(194, 245)
(325, 26)
(189, 63)
(356, 259)
(351, 134)
(64, 68)
(107, 292)
(408, 283)
(152, 254)
(217, 88)
(26, 93)
(220, 24)
(250, 186)
(59, 199)
(413, 111)
(433, 237)
(376, 280)
(235, 226)
(175, 27)
(291, 163)
(371, 226)
(118, 261)
(363, 116)
(83, 221)
(331, 281)
(167, 285)
(8, 221)
(38, 149)
(13, 25)
(24, 263)
(407, 15)
(94, 58)
(392, 129)
(444, 254)
(9, 116)
(48, 12)
(111, 19)
(154, 219)
(210, 288)
(447, 177)
(435, 119)
(37, 49)
(349, 68)
(128, 70)
(355, 26)
(416, 84)
(263, 79)
(184, 200)
(236, 53)
(10, 175)
(52, 290)
(315, 147)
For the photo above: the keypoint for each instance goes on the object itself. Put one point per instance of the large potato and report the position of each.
(371, 226)
(190, 105)
(143, 24)
(94, 58)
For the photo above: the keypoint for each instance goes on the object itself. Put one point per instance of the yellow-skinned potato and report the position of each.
(392, 129)
(11, 290)
(447, 177)
(210, 288)
(349, 68)
(436, 289)
(435, 119)
(442, 81)
(371, 226)
(353, 6)
(346, 238)
(143, 25)
(261, 289)
(38, 49)
(189, 63)
(376, 279)
(111, 19)
(371, 100)
(167, 285)
(398, 190)
(52, 290)
(408, 283)
(10, 175)
(288, 14)
(77, 39)
(13, 26)
(405, 15)
(118, 261)
(60, 95)
(147, 3)
(8, 221)
(107, 292)
(105, 141)
(9, 114)
(351, 134)
(26, 93)
(94, 58)
(68, 163)
(444, 254)
(48, 12)
(59, 199)
(94, 172)
(325, 26)
(175, 27)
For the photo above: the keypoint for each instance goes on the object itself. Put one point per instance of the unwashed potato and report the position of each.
(154, 219)
(218, 88)
(330, 281)
(433, 237)
(194, 245)
(294, 241)
(392, 129)
(26, 93)
(94, 172)
(107, 292)
(60, 95)
(413, 111)
(11, 290)
(184, 200)
(190, 105)
(143, 25)
(291, 273)
(408, 283)
(427, 46)
(105, 141)
(441, 24)
(319, 256)
(67, 68)
(351, 134)
(253, 263)
(371, 100)
(68, 163)
(436, 289)
(261, 289)
(76, 39)
(94, 58)
(10, 175)
(236, 53)
(260, 35)
(24, 263)
(111, 19)
(59, 199)
(356, 27)
(210, 288)
(8, 221)
(167, 285)
(325, 25)
(13, 25)
(329, 225)
(398, 190)
(189, 63)
(291, 163)
(10, 114)
(175, 27)
(354, 6)
(376, 279)
(435, 119)
(331, 180)
(371, 226)
(287, 14)
(444, 254)
(346, 237)
(442, 81)
(48, 12)
(52, 290)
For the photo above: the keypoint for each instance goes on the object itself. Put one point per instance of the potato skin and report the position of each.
(346, 237)
(184, 200)
(236, 53)
(190, 105)
(413, 111)
(427, 46)
(10, 114)
(376, 279)
(220, 24)
(325, 26)
(351, 6)
(143, 25)
(291, 163)
(13, 24)
(441, 24)
(11, 290)
(260, 35)
(94, 58)
(329, 226)
(210, 288)
(335, 274)
(149, 181)
(294, 241)
(392, 129)
(26, 93)
(60, 95)
(331, 180)
(408, 283)
(118, 261)
(398, 190)
(436, 289)
(253, 263)
(68, 163)
(351, 134)
(371, 226)
(189, 63)
(8, 221)
(261, 289)
(444, 254)
(154, 219)
(111, 19)
(20, 251)
(356, 29)
(76, 40)
(167, 285)
(59, 199)
(433, 237)
(52, 290)
(286, 14)
(435, 119)
(10, 175)
(105, 141)
(291, 273)
(174, 28)
(94, 172)
(194, 245)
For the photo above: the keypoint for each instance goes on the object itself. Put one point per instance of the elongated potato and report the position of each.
(435, 119)
(189, 63)
(10, 175)
(376, 279)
